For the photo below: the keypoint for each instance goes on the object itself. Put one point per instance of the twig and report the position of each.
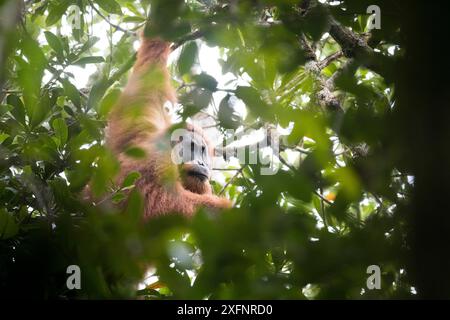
(194, 85)
(323, 198)
(283, 147)
(322, 208)
(298, 149)
(208, 114)
(295, 169)
(377, 199)
(11, 91)
(291, 167)
(232, 179)
(210, 126)
(332, 57)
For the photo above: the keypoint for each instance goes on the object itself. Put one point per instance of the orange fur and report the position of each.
(139, 120)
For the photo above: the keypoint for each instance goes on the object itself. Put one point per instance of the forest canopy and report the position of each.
(354, 96)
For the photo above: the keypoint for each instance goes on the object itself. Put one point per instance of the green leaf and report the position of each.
(89, 44)
(4, 108)
(18, 110)
(101, 85)
(135, 205)
(61, 132)
(3, 137)
(133, 19)
(55, 43)
(110, 6)
(87, 60)
(71, 92)
(97, 92)
(206, 81)
(316, 22)
(30, 73)
(8, 225)
(41, 110)
(194, 101)
(135, 152)
(118, 197)
(55, 11)
(107, 168)
(131, 179)
(108, 101)
(32, 50)
(188, 56)
(226, 116)
(60, 101)
(253, 101)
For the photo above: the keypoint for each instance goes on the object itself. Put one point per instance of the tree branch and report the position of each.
(189, 37)
(325, 95)
(353, 45)
(328, 60)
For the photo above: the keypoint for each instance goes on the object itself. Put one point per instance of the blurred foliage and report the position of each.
(338, 204)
